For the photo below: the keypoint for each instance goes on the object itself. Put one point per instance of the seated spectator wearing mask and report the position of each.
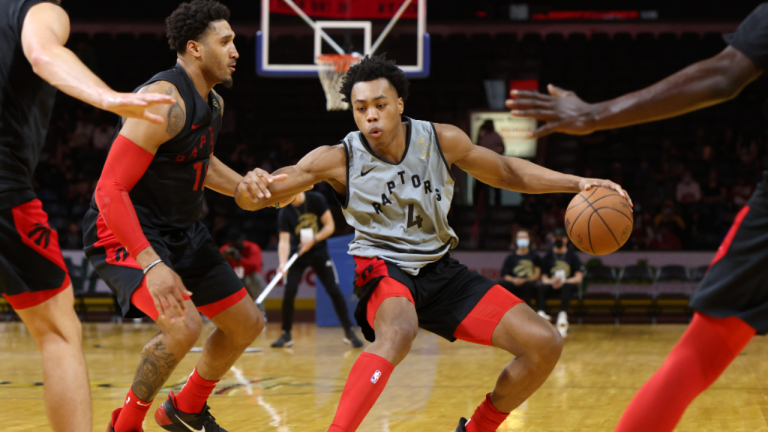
(522, 268)
(562, 272)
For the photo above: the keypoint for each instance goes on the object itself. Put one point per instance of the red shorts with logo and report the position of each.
(32, 269)
(451, 300)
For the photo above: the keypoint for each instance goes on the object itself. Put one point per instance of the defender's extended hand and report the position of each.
(167, 291)
(587, 184)
(256, 183)
(134, 105)
(562, 111)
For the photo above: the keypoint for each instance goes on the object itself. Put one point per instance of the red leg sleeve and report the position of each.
(126, 164)
(708, 346)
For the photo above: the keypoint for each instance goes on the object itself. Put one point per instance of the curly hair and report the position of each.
(190, 20)
(373, 68)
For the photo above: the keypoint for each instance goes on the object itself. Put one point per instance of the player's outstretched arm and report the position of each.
(700, 85)
(44, 32)
(508, 172)
(326, 163)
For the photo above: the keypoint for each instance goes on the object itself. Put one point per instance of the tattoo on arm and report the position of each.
(154, 369)
(176, 119)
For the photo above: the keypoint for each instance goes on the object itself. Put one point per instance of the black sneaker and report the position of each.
(462, 424)
(284, 340)
(350, 338)
(171, 419)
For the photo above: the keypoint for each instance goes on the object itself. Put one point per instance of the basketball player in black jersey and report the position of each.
(33, 276)
(142, 233)
(731, 301)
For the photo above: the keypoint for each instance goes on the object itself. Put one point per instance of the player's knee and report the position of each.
(251, 329)
(398, 336)
(548, 347)
(186, 332)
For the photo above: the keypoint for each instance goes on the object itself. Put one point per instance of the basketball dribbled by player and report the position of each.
(393, 179)
(731, 302)
(143, 236)
(33, 275)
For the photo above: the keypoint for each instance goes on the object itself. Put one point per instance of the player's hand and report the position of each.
(134, 105)
(167, 291)
(305, 246)
(587, 184)
(561, 110)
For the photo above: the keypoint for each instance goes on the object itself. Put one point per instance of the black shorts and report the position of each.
(736, 283)
(444, 293)
(191, 253)
(32, 269)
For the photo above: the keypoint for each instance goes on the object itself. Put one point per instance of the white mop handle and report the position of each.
(275, 279)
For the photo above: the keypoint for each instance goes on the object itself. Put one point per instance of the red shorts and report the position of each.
(32, 269)
(143, 300)
(483, 303)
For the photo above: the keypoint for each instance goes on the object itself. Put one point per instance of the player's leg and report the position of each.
(236, 328)
(58, 334)
(706, 349)
(292, 280)
(158, 359)
(504, 321)
(731, 303)
(34, 281)
(395, 325)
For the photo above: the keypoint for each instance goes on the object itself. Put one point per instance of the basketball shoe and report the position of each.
(171, 419)
(462, 424)
(284, 341)
(350, 338)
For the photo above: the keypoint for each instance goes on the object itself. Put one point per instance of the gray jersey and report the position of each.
(400, 211)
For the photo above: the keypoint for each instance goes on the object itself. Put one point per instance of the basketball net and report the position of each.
(331, 69)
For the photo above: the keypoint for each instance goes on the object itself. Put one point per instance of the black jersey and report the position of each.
(26, 102)
(169, 196)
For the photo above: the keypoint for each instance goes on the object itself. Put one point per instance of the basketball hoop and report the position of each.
(331, 68)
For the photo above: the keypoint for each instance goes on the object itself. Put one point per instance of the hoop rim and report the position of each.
(334, 58)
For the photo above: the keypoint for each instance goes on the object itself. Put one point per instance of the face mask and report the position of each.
(523, 243)
(558, 243)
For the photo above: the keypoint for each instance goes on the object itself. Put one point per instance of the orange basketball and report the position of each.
(598, 221)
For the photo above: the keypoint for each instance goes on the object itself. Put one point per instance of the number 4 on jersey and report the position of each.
(411, 220)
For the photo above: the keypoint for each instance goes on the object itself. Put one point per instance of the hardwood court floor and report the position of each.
(296, 390)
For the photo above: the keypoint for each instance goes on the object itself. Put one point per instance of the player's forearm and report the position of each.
(221, 178)
(700, 85)
(61, 68)
(523, 176)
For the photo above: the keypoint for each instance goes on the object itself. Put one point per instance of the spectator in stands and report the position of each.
(562, 273)
(245, 259)
(669, 216)
(522, 268)
(688, 190)
(665, 239)
(713, 192)
(741, 191)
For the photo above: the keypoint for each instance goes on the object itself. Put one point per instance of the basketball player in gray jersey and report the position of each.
(394, 182)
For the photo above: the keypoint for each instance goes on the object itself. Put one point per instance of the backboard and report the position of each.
(369, 17)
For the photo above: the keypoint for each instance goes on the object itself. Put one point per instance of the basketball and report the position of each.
(598, 221)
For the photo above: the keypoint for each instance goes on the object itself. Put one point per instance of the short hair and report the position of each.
(523, 230)
(190, 20)
(371, 69)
